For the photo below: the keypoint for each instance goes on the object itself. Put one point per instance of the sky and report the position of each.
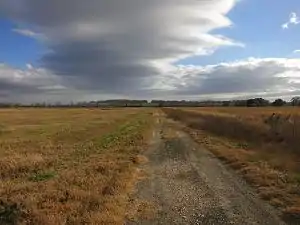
(74, 50)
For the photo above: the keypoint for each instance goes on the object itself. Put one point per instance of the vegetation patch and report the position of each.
(9, 213)
(42, 176)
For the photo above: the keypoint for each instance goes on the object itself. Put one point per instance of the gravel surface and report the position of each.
(188, 185)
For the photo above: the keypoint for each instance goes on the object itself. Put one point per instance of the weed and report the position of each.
(9, 213)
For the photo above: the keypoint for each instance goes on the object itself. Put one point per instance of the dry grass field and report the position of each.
(69, 166)
(80, 166)
(263, 144)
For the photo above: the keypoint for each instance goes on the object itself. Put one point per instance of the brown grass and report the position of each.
(261, 143)
(271, 125)
(69, 166)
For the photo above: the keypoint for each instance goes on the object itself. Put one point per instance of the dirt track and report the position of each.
(188, 185)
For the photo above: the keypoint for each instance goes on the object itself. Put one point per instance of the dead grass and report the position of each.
(142, 210)
(70, 166)
(267, 157)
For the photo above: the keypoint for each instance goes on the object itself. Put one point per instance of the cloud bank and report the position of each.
(267, 77)
(119, 47)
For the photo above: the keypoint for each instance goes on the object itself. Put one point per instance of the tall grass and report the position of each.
(278, 129)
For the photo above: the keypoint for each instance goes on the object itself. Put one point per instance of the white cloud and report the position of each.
(285, 26)
(293, 19)
(31, 84)
(26, 32)
(296, 51)
(252, 77)
(249, 77)
(17, 83)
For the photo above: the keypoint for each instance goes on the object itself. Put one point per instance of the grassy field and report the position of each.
(69, 166)
(261, 143)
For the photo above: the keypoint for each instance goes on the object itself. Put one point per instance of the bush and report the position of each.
(279, 102)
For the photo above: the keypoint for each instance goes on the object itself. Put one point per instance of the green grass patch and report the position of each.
(42, 176)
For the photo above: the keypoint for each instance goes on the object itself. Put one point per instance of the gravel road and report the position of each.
(189, 185)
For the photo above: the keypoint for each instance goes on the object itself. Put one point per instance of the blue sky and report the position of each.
(257, 24)
(17, 50)
(176, 49)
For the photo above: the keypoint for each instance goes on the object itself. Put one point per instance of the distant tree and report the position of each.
(263, 102)
(257, 102)
(240, 103)
(251, 103)
(295, 101)
(278, 102)
(226, 103)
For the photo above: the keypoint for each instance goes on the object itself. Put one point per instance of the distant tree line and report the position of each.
(253, 102)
